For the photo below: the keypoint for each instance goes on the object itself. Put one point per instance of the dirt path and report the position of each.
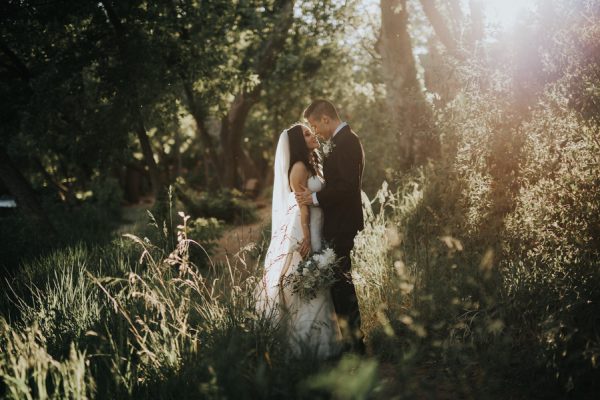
(236, 237)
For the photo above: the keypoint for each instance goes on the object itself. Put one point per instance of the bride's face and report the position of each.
(310, 138)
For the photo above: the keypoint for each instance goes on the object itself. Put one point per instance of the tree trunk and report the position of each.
(477, 23)
(18, 66)
(232, 131)
(177, 154)
(448, 37)
(211, 158)
(407, 105)
(140, 129)
(155, 178)
(440, 26)
(133, 183)
(232, 126)
(23, 192)
(65, 193)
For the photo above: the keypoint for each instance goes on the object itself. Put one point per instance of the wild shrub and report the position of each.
(228, 205)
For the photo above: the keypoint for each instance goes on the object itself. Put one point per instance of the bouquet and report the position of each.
(313, 274)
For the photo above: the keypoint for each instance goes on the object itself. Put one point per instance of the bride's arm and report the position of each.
(299, 179)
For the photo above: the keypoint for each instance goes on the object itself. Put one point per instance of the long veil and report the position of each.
(286, 232)
(281, 183)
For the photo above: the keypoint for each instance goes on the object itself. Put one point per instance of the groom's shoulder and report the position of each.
(352, 136)
(349, 141)
(348, 134)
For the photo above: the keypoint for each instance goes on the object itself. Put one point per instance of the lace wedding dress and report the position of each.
(312, 324)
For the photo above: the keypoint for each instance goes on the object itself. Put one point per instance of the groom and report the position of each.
(340, 200)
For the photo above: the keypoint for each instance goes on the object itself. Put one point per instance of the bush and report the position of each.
(503, 246)
(162, 230)
(552, 244)
(228, 205)
(205, 232)
(90, 220)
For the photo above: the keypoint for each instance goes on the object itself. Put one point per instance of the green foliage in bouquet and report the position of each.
(312, 275)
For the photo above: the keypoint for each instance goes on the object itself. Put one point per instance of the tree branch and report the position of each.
(232, 126)
(138, 118)
(476, 21)
(440, 27)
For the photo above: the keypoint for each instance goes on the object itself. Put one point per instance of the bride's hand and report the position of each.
(304, 249)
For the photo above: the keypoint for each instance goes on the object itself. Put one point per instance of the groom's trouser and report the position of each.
(343, 291)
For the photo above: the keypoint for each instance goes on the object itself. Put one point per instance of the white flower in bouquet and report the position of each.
(320, 260)
(328, 256)
(327, 148)
(314, 274)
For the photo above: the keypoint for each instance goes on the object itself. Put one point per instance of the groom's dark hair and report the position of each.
(321, 107)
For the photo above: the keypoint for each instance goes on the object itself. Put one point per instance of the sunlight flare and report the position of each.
(505, 12)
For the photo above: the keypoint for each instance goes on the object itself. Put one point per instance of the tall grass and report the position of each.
(156, 325)
(444, 313)
(442, 307)
(28, 371)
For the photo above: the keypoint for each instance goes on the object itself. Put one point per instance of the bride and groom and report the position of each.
(315, 202)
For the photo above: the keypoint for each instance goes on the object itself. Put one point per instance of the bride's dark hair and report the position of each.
(299, 150)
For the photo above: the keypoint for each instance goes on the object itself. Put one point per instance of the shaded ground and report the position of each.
(134, 216)
(236, 237)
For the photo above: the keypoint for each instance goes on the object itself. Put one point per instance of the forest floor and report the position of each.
(134, 216)
(236, 237)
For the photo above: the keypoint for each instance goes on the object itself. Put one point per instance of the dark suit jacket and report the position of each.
(341, 196)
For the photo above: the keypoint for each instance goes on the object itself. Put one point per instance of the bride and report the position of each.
(295, 232)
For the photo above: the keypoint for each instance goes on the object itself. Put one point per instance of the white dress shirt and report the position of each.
(339, 128)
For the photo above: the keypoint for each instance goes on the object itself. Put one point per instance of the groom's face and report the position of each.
(321, 126)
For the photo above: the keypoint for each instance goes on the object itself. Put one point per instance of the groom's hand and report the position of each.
(304, 198)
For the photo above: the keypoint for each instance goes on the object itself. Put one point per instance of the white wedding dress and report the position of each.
(312, 324)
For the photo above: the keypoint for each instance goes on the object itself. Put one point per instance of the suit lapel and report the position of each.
(335, 140)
